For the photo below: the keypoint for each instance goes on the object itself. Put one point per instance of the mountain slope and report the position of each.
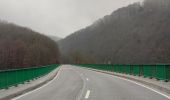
(136, 34)
(21, 47)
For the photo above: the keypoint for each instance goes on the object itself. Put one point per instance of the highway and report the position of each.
(74, 83)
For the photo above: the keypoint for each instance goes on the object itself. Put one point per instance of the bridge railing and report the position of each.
(160, 72)
(19, 76)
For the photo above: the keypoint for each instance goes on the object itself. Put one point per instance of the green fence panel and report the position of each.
(18, 76)
(110, 68)
(149, 71)
(115, 68)
(127, 69)
(131, 70)
(122, 68)
(136, 70)
(163, 72)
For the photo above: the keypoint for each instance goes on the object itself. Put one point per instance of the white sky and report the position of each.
(58, 17)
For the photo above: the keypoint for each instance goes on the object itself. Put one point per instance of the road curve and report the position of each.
(74, 83)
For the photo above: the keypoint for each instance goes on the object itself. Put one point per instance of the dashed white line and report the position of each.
(84, 85)
(87, 94)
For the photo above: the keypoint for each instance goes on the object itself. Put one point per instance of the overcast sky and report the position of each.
(57, 17)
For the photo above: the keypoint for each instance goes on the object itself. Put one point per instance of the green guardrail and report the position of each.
(160, 72)
(136, 70)
(19, 76)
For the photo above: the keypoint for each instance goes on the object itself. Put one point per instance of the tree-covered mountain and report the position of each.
(136, 34)
(22, 47)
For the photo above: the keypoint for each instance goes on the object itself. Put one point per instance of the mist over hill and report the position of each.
(55, 38)
(136, 34)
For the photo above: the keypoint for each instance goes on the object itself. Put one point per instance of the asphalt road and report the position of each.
(73, 83)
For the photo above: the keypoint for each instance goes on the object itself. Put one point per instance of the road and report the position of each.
(74, 83)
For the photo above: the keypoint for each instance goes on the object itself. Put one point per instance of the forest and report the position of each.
(21, 47)
(136, 34)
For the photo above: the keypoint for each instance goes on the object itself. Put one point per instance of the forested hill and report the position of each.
(22, 47)
(136, 34)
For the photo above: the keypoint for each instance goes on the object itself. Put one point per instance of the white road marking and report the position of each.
(87, 94)
(145, 87)
(84, 85)
(87, 79)
(37, 88)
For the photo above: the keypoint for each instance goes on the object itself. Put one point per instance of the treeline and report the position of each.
(136, 34)
(21, 47)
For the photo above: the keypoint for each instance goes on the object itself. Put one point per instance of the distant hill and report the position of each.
(136, 34)
(55, 38)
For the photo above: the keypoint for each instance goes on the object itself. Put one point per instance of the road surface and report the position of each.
(73, 83)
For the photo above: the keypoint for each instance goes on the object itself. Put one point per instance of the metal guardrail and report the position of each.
(19, 76)
(160, 72)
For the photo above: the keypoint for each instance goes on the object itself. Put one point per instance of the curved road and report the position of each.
(74, 83)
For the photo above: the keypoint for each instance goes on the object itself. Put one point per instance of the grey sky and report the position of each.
(57, 17)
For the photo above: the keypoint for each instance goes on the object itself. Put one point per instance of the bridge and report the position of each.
(89, 82)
